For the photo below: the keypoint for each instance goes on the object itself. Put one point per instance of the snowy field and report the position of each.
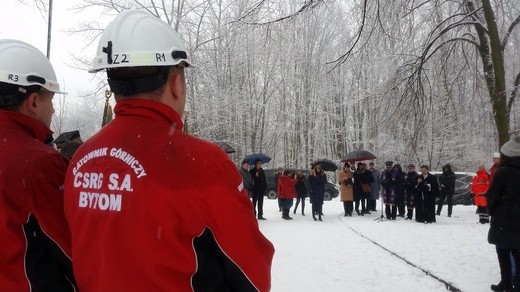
(360, 254)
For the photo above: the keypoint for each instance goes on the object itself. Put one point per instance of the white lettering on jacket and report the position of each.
(130, 160)
(92, 154)
(100, 201)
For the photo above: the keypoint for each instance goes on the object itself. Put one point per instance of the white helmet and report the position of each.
(134, 39)
(24, 65)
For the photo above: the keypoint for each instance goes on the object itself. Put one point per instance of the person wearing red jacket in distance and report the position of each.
(151, 208)
(34, 236)
(479, 188)
(286, 192)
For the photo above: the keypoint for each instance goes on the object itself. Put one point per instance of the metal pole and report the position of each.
(49, 29)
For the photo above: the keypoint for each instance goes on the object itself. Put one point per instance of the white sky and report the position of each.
(25, 22)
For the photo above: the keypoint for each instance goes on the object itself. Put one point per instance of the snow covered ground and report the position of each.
(338, 254)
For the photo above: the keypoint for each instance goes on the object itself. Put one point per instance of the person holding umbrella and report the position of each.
(259, 188)
(346, 182)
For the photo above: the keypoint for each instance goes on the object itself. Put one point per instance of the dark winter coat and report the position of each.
(398, 182)
(248, 180)
(388, 178)
(429, 186)
(260, 185)
(447, 181)
(503, 202)
(410, 182)
(317, 184)
(301, 187)
(361, 177)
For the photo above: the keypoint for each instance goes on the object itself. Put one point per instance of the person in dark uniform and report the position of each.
(447, 185)
(429, 188)
(259, 188)
(410, 183)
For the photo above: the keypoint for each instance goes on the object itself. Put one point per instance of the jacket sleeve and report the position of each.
(47, 205)
(231, 219)
(370, 177)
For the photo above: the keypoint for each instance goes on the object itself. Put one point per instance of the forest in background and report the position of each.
(304, 80)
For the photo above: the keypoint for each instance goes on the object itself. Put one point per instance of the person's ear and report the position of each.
(30, 105)
(177, 84)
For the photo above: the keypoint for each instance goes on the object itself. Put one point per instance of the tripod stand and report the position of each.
(382, 217)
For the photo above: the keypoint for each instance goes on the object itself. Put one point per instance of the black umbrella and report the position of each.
(226, 147)
(358, 155)
(252, 158)
(326, 165)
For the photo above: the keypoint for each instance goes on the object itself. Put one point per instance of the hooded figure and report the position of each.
(503, 202)
(447, 185)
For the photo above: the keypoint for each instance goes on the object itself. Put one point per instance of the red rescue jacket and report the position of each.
(479, 187)
(153, 209)
(34, 236)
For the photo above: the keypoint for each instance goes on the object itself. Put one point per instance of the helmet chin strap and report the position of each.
(130, 87)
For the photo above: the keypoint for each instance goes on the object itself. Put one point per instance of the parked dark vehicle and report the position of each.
(331, 191)
(462, 187)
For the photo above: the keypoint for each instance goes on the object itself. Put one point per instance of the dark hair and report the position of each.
(346, 165)
(12, 95)
(120, 78)
(425, 166)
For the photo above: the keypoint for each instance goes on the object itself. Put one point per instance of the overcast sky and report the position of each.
(25, 22)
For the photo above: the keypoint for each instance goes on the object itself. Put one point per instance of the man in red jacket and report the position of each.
(149, 207)
(34, 237)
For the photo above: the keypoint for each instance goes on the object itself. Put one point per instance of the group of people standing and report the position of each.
(289, 186)
(400, 190)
